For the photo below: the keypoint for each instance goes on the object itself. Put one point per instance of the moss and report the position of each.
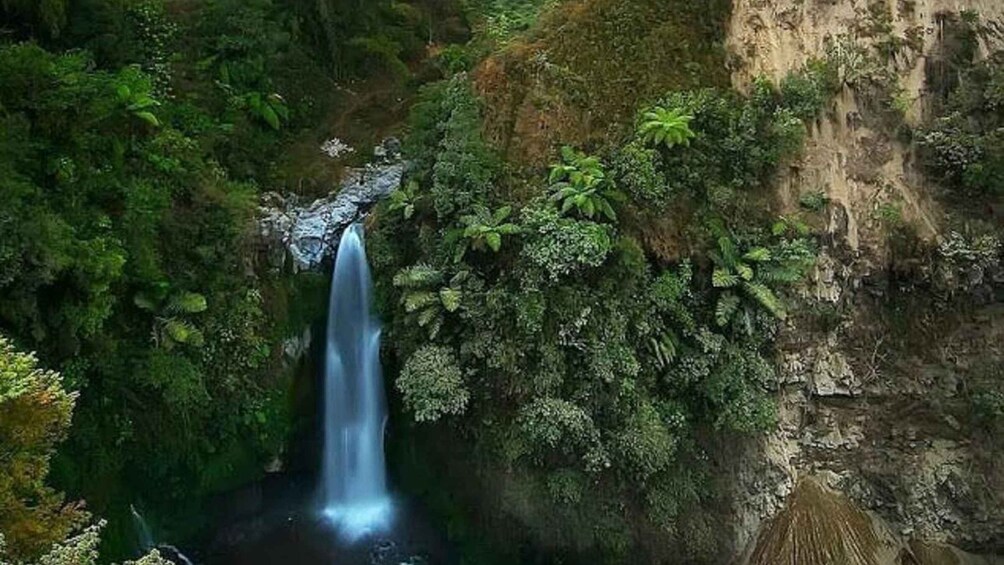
(553, 85)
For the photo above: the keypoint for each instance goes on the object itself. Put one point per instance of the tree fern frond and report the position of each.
(187, 303)
(415, 301)
(766, 297)
(450, 298)
(428, 316)
(727, 305)
(722, 278)
(757, 255)
(418, 276)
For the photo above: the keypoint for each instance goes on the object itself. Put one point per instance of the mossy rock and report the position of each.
(581, 74)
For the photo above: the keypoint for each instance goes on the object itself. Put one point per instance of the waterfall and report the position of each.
(353, 478)
(143, 534)
(146, 541)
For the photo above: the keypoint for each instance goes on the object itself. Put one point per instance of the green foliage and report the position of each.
(964, 146)
(753, 270)
(433, 384)
(426, 297)
(814, 201)
(666, 126)
(577, 363)
(967, 261)
(35, 413)
(560, 246)
(806, 92)
(171, 328)
(580, 184)
(271, 109)
(738, 144)
(120, 220)
(484, 230)
(638, 170)
(448, 151)
(404, 199)
(357, 36)
(82, 549)
(498, 21)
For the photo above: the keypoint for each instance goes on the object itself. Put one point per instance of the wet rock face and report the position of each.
(309, 233)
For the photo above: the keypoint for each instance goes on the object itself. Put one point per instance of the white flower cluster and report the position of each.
(335, 148)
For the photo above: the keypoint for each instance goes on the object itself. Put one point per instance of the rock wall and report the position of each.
(852, 156)
(309, 233)
(874, 406)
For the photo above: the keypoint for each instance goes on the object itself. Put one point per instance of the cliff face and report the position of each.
(876, 401)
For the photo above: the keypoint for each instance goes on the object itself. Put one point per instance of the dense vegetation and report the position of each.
(131, 145)
(558, 347)
(583, 280)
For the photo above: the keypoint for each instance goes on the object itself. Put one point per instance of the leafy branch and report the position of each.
(580, 184)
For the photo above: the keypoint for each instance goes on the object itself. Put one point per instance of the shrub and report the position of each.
(560, 246)
(638, 170)
(432, 384)
(664, 126)
(35, 414)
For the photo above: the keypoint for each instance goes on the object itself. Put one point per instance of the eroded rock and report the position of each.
(309, 233)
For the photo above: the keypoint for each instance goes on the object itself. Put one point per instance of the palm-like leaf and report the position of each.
(727, 305)
(418, 300)
(766, 297)
(418, 276)
(187, 303)
(722, 278)
(669, 127)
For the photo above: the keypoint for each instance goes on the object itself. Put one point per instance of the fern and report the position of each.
(580, 184)
(669, 127)
(187, 303)
(757, 255)
(722, 278)
(418, 276)
(485, 230)
(426, 299)
(418, 300)
(170, 309)
(404, 200)
(727, 306)
(664, 349)
(766, 297)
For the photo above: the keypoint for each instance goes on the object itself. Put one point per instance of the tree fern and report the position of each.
(766, 297)
(728, 304)
(418, 300)
(187, 303)
(418, 276)
(425, 297)
(722, 278)
(580, 184)
(485, 230)
(669, 127)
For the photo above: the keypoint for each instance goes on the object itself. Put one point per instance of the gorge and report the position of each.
(621, 281)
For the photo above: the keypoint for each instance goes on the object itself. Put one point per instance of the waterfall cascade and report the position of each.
(146, 541)
(143, 535)
(353, 476)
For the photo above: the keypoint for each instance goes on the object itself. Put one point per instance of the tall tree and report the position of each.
(35, 413)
